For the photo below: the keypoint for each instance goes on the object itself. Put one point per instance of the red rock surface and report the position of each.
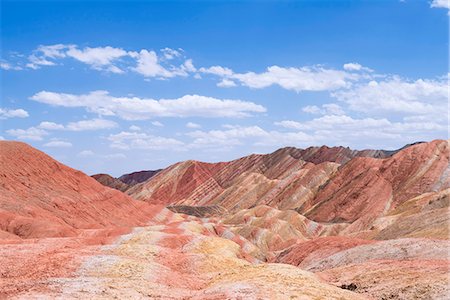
(109, 181)
(137, 177)
(320, 223)
(40, 197)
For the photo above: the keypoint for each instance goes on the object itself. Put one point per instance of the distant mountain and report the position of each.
(138, 177)
(125, 181)
(108, 180)
(332, 185)
(327, 223)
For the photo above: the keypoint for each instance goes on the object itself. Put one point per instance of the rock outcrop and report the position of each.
(319, 223)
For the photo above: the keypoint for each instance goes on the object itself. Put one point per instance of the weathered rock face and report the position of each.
(40, 197)
(137, 177)
(320, 223)
(284, 179)
(125, 181)
(366, 186)
(109, 181)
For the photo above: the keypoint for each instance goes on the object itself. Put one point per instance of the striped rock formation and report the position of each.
(125, 181)
(66, 236)
(320, 223)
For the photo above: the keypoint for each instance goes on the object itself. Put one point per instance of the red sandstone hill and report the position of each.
(335, 185)
(125, 181)
(42, 197)
(246, 212)
(138, 177)
(109, 181)
(263, 179)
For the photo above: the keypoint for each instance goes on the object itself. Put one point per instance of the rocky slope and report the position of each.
(40, 197)
(109, 181)
(320, 223)
(137, 177)
(125, 181)
(324, 184)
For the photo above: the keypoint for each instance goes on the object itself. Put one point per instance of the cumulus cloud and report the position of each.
(32, 133)
(112, 59)
(157, 124)
(236, 135)
(441, 4)
(148, 65)
(329, 108)
(58, 144)
(356, 67)
(230, 137)
(226, 83)
(7, 66)
(309, 78)
(169, 53)
(12, 113)
(193, 125)
(134, 108)
(135, 128)
(345, 130)
(84, 125)
(139, 140)
(397, 95)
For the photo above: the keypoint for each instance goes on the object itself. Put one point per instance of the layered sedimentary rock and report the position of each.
(137, 177)
(325, 184)
(109, 181)
(319, 223)
(40, 197)
(125, 181)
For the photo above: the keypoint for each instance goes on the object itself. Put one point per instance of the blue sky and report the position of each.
(119, 86)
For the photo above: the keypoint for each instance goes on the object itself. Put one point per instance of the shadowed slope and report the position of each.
(111, 182)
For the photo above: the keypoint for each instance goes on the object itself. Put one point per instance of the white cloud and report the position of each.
(136, 140)
(170, 54)
(188, 66)
(12, 113)
(95, 124)
(147, 65)
(193, 125)
(226, 83)
(229, 137)
(329, 108)
(36, 62)
(32, 133)
(134, 108)
(85, 153)
(157, 124)
(356, 67)
(7, 66)
(84, 125)
(217, 70)
(397, 95)
(107, 58)
(98, 57)
(441, 4)
(58, 144)
(312, 78)
(135, 128)
(51, 126)
(346, 130)
(2, 138)
(235, 135)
